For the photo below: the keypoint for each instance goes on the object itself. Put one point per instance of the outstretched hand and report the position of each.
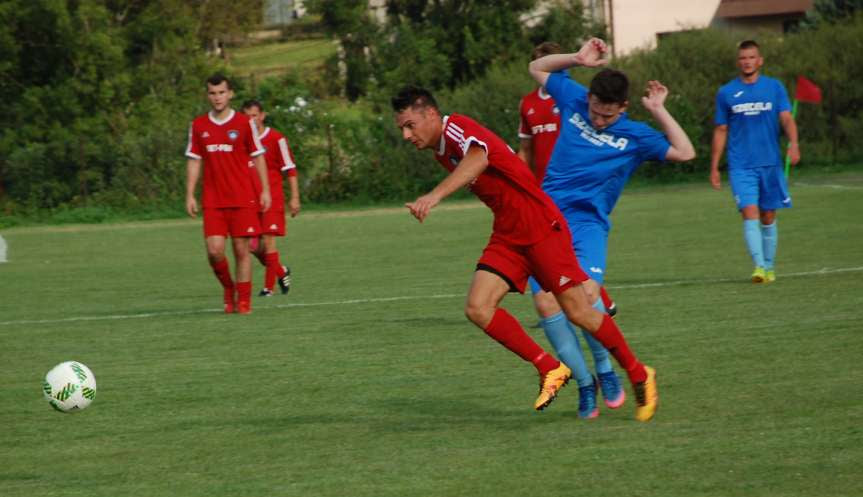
(591, 53)
(654, 95)
(421, 207)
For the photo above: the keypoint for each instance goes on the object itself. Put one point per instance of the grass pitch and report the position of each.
(366, 380)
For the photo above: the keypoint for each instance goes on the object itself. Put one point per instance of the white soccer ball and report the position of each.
(69, 387)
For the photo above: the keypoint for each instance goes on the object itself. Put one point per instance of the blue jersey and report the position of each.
(751, 111)
(589, 168)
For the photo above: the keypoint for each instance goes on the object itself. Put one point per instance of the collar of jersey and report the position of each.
(442, 147)
(542, 94)
(219, 123)
(262, 135)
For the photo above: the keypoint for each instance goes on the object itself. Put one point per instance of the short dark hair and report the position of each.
(543, 49)
(413, 97)
(248, 104)
(219, 78)
(610, 86)
(748, 44)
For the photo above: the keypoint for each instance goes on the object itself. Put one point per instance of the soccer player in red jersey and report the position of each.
(223, 141)
(539, 121)
(529, 237)
(280, 161)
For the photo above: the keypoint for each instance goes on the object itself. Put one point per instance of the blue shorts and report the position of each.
(762, 186)
(590, 241)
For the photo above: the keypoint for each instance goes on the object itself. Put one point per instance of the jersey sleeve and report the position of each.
(287, 157)
(463, 134)
(720, 117)
(253, 140)
(563, 90)
(782, 102)
(193, 148)
(524, 131)
(652, 144)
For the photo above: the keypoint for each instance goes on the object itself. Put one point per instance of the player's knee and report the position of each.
(545, 304)
(478, 313)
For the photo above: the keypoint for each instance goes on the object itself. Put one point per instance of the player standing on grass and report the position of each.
(538, 130)
(529, 237)
(598, 149)
(223, 142)
(749, 111)
(280, 161)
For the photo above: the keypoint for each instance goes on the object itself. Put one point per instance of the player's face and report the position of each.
(749, 61)
(219, 96)
(603, 115)
(257, 115)
(420, 126)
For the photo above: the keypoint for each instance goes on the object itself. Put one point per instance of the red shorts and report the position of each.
(231, 221)
(550, 261)
(273, 222)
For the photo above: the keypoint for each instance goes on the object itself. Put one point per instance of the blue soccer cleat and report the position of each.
(612, 392)
(587, 407)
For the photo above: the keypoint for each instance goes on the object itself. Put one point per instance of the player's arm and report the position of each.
(468, 169)
(525, 151)
(717, 146)
(590, 55)
(681, 148)
(261, 167)
(193, 172)
(790, 128)
(294, 202)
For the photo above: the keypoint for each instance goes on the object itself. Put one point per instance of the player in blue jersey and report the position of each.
(598, 149)
(749, 111)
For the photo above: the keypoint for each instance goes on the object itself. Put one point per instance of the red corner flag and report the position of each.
(807, 91)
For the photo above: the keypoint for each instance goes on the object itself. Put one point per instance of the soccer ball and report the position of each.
(69, 387)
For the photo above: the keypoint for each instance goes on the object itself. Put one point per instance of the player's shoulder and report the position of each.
(201, 120)
(275, 134)
(730, 86)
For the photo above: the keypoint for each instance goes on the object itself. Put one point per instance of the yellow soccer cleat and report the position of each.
(646, 396)
(550, 384)
(769, 276)
(759, 275)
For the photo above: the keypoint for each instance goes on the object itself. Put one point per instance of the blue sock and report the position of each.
(752, 236)
(565, 343)
(600, 354)
(769, 237)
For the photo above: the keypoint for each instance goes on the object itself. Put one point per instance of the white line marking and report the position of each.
(2, 249)
(834, 187)
(116, 317)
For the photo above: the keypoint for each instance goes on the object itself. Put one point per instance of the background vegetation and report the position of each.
(96, 96)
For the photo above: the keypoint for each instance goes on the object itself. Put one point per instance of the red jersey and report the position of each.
(523, 213)
(279, 158)
(540, 122)
(225, 148)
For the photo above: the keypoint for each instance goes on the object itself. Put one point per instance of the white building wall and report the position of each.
(637, 22)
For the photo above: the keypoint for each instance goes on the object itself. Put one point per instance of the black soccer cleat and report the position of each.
(266, 292)
(612, 309)
(285, 281)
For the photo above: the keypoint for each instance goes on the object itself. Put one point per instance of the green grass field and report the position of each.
(277, 58)
(366, 380)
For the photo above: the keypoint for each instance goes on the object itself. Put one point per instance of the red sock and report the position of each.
(223, 273)
(606, 300)
(244, 291)
(505, 329)
(611, 338)
(274, 269)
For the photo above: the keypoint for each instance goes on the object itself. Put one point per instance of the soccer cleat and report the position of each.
(285, 281)
(587, 407)
(550, 384)
(265, 292)
(612, 309)
(244, 307)
(612, 391)
(759, 275)
(646, 396)
(769, 276)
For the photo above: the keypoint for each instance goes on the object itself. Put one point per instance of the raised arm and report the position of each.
(469, 168)
(590, 55)
(654, 101)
